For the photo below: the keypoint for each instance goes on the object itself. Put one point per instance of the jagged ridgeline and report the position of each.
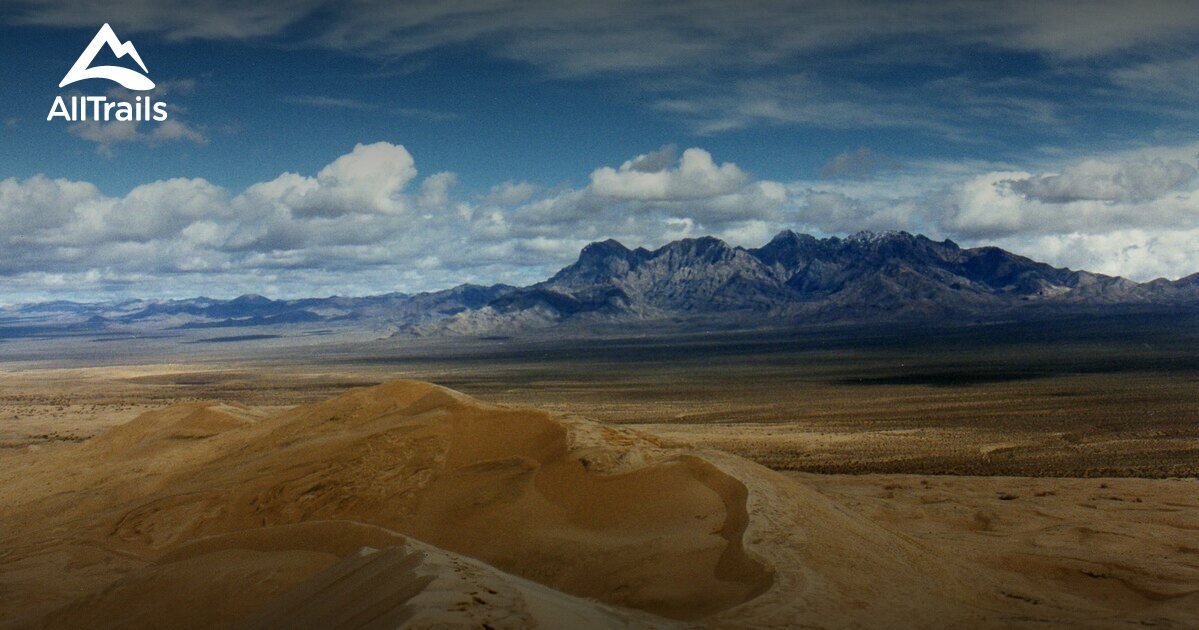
(797, 277)
(793, 279)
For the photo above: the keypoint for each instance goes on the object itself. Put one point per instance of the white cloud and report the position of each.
(833, 211)
(435, 190)
(172, 129)
(39, 203)
(1141, 254)
(638, 200)
(697, 176)
(107, 135)
(986, 205)
(748, 233)
(151, 211)
(361, 225)
(1133, 213)
(510, 192)
(1096, 180)
(1090, 196)
(369, 179)
(343, 217)
(760, 200)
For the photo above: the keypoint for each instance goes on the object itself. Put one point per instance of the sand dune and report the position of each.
(411, 504)
(636, 525)
(329, 574)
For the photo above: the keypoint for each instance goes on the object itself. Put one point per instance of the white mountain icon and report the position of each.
(131, 79)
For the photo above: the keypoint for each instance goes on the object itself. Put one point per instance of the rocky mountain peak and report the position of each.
(867, 236)
(603, 249)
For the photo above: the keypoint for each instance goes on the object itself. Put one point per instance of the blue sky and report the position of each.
(1066, 131)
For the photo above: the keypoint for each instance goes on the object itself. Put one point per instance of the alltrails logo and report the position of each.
(101, 108)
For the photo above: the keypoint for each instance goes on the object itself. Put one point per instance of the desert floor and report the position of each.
(1013, 486)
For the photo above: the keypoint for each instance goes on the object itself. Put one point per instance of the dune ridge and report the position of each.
(445, 510)
(503, 485)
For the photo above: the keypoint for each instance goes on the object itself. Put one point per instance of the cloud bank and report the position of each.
(370, 222)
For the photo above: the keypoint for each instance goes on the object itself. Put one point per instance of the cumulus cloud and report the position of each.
(435, 190)
(835, 212)
(1133, 214)
(369, 179)
(510, 192)
(1136, 253)
(341, 218)
(644, 196)
(366, 211)
(40, 203)
(367, 222)
(1094, 180)
(1090, 196)
(152, 211)
(649, 178)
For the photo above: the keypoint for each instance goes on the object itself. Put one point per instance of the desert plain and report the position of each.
(992, 475)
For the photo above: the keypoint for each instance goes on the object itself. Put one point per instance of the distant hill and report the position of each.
(686, 284)
(380, 313)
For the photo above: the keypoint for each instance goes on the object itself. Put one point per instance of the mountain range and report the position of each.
(698, 282)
